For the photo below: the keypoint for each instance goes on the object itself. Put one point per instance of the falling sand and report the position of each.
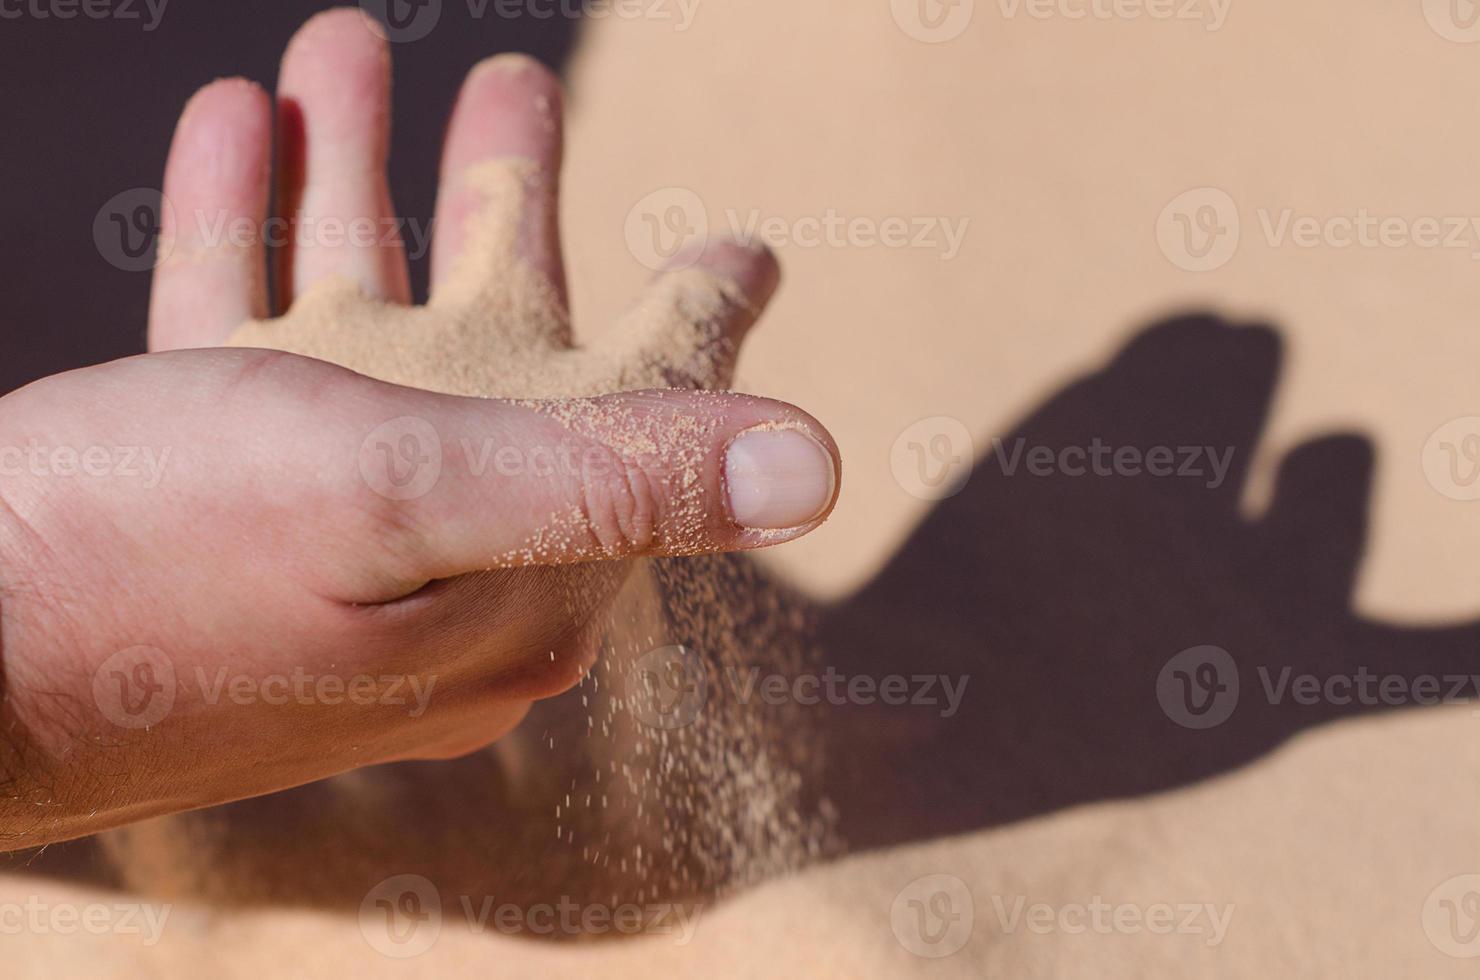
(651, 781)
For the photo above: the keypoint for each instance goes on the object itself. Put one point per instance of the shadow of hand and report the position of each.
(1062, 597)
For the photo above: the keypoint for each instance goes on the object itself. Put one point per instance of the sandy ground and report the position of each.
(1083, 830)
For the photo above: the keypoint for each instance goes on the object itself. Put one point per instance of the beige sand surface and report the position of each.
(1062, 141)
(1310, 889)
(1341, 852)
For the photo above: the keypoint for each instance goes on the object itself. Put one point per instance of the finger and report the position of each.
(334, 136)
(509, 110)
(216, 182)
(468, 624)
(1316, 528)
(1221, 375)
(687, 329)
(451, 485)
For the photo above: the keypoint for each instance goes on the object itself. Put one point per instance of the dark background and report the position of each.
(89, 110)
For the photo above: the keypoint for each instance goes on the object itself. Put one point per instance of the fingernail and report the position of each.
(778, 478)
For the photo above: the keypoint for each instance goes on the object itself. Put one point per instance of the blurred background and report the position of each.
(96, 103)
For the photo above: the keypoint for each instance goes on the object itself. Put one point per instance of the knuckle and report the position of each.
(620, 503)
(279, 386)
(397, 535)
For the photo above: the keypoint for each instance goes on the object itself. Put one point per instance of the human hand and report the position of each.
(228, 572)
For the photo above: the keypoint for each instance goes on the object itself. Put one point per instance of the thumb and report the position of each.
(460, 484)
